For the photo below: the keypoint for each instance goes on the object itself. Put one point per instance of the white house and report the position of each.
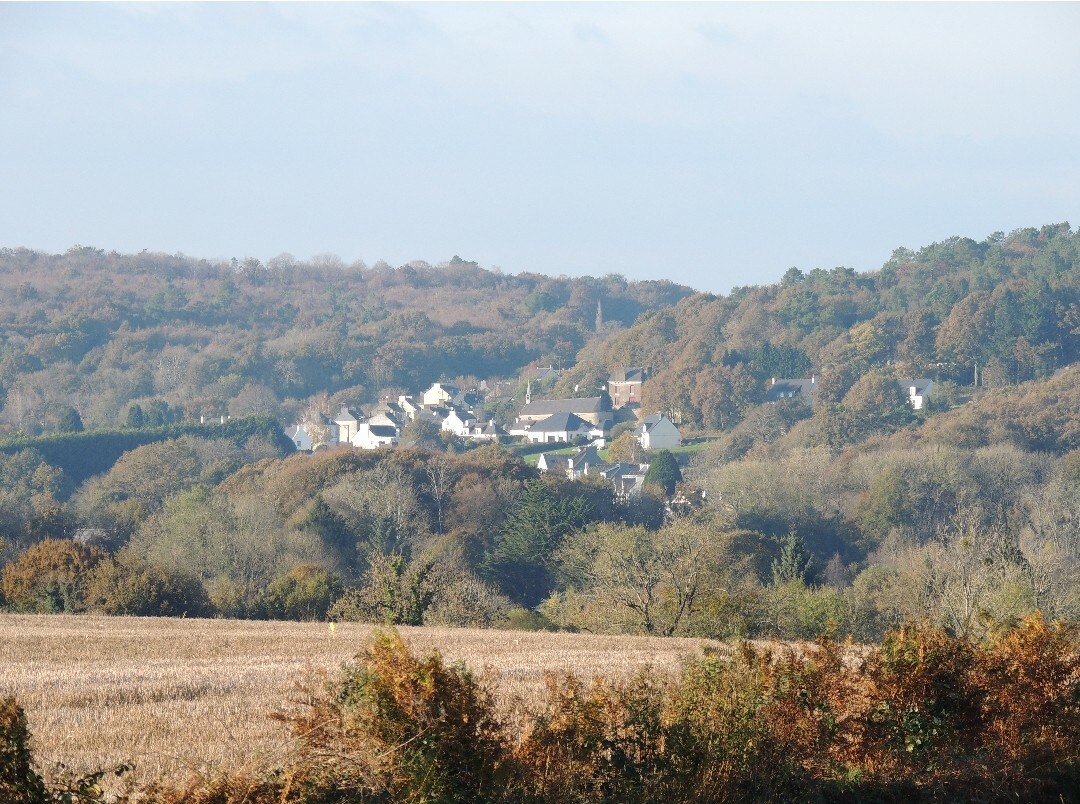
(917, 391)
(558, 427)
(301, 438)
(346, 420)
(592, 409)
(628, 478)
(458, 422)
(409, 406)
(373, 436)
(309, 436)
(582, 462)
(658, 432)
(486, 432)
(439, 394)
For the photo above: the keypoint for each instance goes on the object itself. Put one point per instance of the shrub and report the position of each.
(410, 728)
(50, 576)
(127, 584)
(20, 783)
(598, 743)
(305, 592)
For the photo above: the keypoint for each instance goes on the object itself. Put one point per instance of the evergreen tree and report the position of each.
(521, 562)
(136, 419)
(69, 420)
(794, 564)
(663, 471)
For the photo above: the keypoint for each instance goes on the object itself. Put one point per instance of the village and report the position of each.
(586, 422)
(583, 421)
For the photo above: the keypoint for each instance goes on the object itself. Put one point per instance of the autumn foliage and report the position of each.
(923, 717)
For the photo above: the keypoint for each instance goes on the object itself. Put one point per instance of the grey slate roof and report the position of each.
(347, 414)
(589, 404)
(637, 374)
(799, 389)
(564, 422)
(920, 383)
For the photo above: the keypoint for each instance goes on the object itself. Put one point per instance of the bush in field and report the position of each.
(19, 782)
(598, 742)
(410, 730)
(305, 592)
(128, 584)
(50, 576)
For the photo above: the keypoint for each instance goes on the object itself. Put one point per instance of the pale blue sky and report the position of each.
(710, 144)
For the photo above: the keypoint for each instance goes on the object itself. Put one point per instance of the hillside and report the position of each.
(996, 312)
(95, 332)
(847, 510)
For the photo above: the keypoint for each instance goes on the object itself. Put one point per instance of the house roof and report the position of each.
(382, 431)
(564, 422)
(588, 455)
(799, 388)
(588, 404)
(347, 414)
(466, 399)
(649, 422)
(461, 412)
(541, 372)
(446, 387)
(637, 374)
(921, 385)
(553, 463)
(384, 419)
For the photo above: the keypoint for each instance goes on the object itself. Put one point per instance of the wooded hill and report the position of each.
(855, 512)
(92, 332)
(1006, 309)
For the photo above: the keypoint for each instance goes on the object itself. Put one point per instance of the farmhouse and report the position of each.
(917, 391)
(658, 432)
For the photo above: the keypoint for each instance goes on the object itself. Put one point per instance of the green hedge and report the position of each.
(82, 455)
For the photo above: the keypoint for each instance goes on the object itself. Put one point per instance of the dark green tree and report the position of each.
(305, 592)
(521, 561)
(663, 471)
(794, 564)
(135, 416)
(69, 420)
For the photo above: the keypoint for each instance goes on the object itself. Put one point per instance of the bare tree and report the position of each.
(441, 476)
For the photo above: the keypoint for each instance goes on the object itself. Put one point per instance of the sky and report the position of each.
(711, 144)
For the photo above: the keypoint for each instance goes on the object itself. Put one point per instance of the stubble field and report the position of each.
(178, 697)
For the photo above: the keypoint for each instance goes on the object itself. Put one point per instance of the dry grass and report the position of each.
(178, 696)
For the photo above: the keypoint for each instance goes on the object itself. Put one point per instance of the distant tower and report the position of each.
(528, 393)
(599, 315)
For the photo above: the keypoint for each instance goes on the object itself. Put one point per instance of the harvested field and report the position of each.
(180, 697)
